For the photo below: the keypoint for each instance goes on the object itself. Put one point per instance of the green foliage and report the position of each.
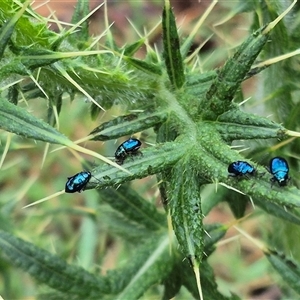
(19, 121)
(191, 122)
(172, 53)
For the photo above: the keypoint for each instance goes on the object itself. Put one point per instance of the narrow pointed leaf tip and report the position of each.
(172, 55)
(144, 66)
(81, 10)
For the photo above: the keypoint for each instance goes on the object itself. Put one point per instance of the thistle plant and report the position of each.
(189, 121)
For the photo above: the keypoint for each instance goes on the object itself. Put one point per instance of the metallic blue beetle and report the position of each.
(279, 168)
(129, 147)
(78, 182)
(240, 168)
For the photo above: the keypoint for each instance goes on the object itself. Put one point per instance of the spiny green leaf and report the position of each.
(238, 125)
(231, 132)
(261, 189)
(239, 117)
(134, 47)
(219, 97)
(17, 120)
(286, 267)
(126, 125)
(212, 168)
(152, 161)
(172, 55)
(35, 58)
(185, 208)
(50, 269)
(144, 66)
(81, 10)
